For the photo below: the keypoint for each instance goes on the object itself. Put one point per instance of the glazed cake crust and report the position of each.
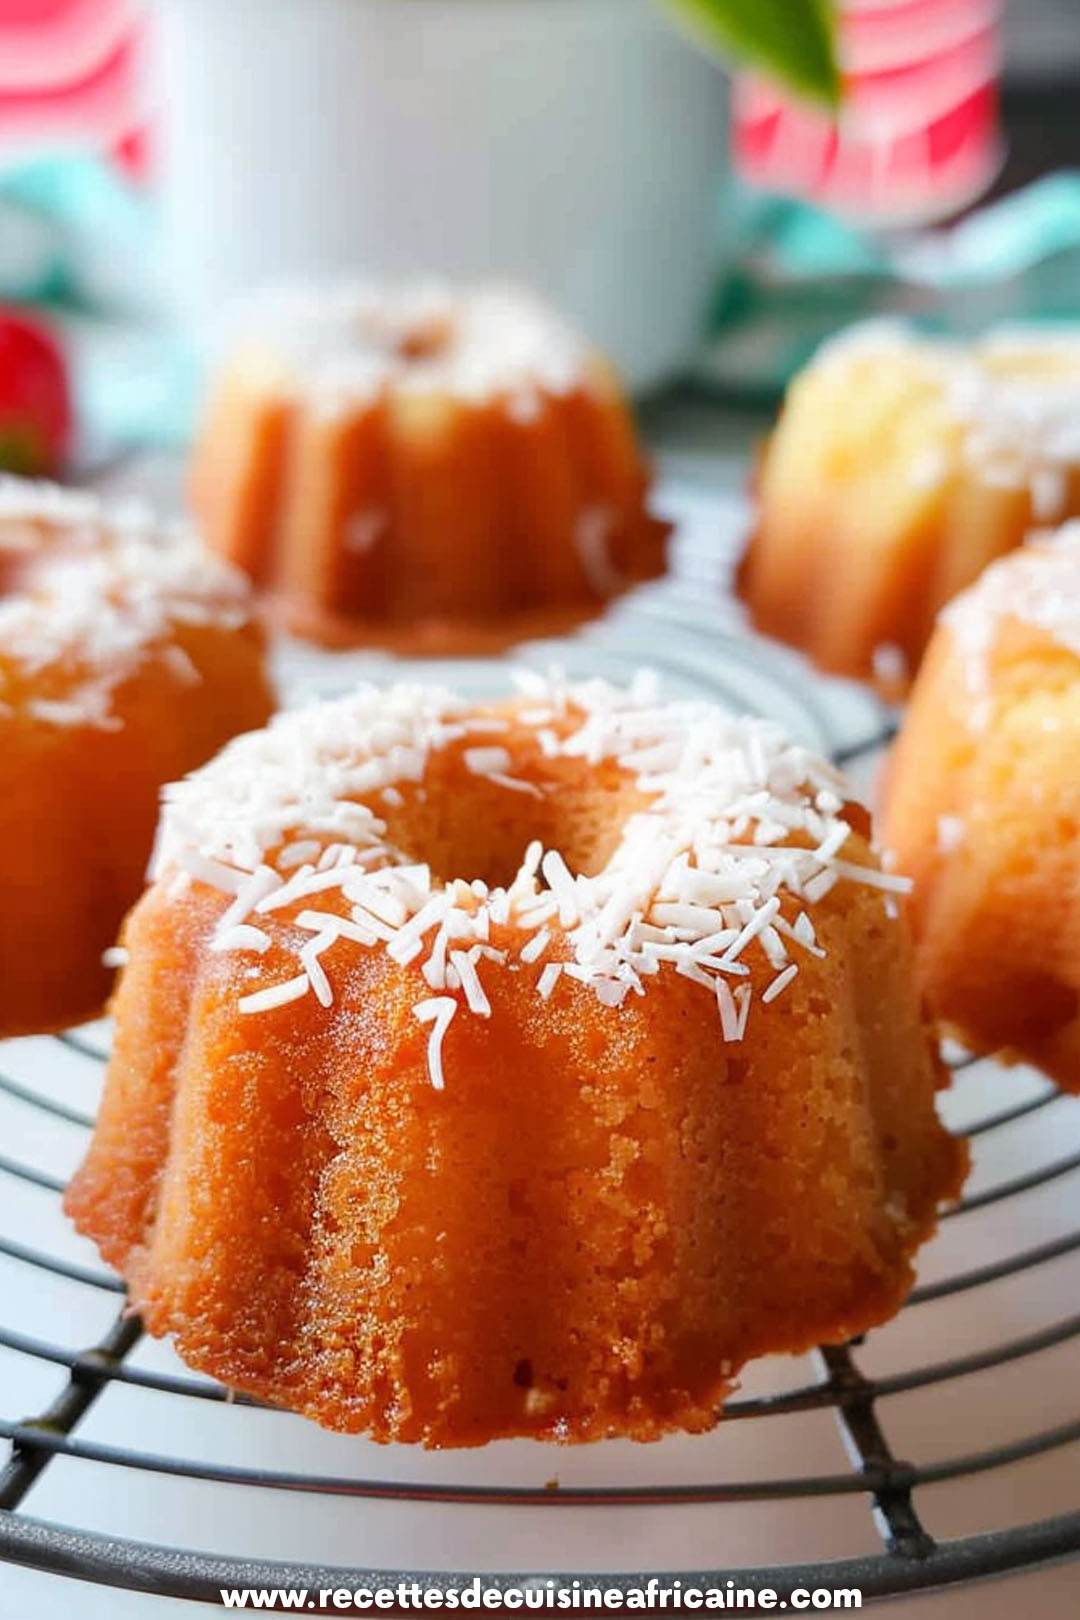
(575, 1205)
(982, 807)
(126, 657)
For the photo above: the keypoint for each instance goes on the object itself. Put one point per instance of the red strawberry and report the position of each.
(35, 402)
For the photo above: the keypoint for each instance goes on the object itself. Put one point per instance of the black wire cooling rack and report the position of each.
(679, 627)
(910, 1558)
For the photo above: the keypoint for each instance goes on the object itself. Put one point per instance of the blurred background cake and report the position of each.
(424, 467)
(128, 656)
(899, 468)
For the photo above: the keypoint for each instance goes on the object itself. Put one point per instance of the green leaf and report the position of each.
(789, 40)
(23, 450)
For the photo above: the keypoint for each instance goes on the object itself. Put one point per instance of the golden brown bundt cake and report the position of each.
(429, 470)
(513, 1070)
(126, 658)
(900, 467)
(982, 806)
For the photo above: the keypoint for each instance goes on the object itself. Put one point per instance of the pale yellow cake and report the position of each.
(899, 468)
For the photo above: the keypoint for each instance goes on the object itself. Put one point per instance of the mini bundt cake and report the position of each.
(515, 1070)
(982, 806)
(429, 471)
(127, 656)
(900, 467)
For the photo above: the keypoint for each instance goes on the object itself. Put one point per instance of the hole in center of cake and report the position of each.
(470, 825)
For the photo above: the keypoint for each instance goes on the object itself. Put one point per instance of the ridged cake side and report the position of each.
(585, 1235)
(127, 657)
(551, 1159)
(982, 807)
(432, 483)
(898, 470)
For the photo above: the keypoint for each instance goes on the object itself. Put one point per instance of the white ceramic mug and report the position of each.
(573, 145)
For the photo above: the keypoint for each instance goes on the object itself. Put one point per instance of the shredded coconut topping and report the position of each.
(1015, 395)
(741, 834)
(950, 833)
(88, 593)
(1039, 585)
(347, 342)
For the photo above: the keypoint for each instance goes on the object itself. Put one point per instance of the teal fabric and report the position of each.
(77, 244)
(72, 233)
(77, 248)
(800, 274)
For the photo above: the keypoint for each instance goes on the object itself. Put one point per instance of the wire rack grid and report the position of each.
(1026, 1141)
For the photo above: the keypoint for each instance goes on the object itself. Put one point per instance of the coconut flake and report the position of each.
(515, 784)
(779, 984)
(558, 875)
(484, 761)
(739, 837)
(241, 937)
(729, 1013)
(106, 591)
(593, 534)
(536, 946)
(437, 1011)
(275, 995)
(465, 963)
(950, 833)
